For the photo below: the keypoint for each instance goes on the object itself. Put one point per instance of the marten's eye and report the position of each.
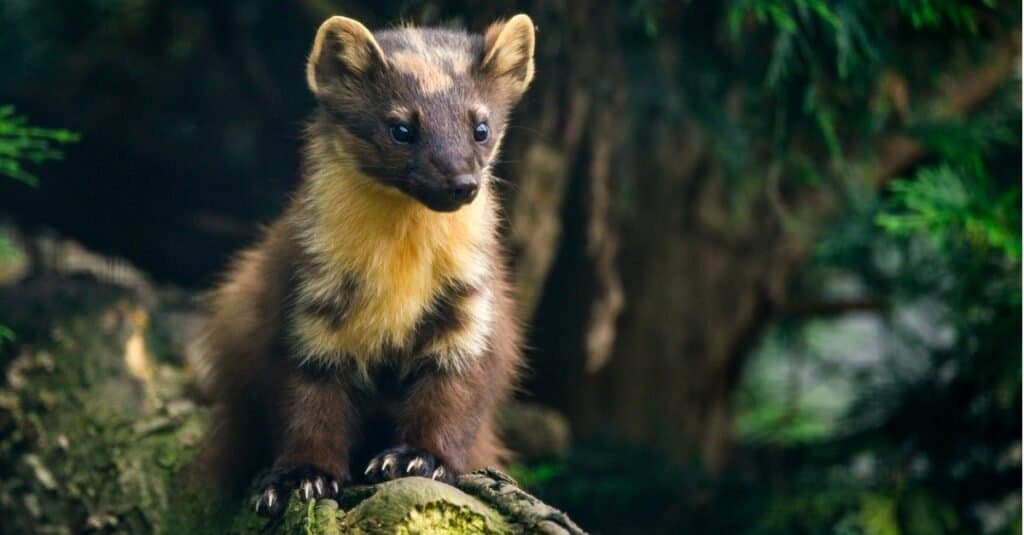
(403, 134)
(481, 133)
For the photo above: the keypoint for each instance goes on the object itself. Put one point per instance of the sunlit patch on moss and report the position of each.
(442, 517)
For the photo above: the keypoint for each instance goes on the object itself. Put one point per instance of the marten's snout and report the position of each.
(462, 189)
(449, 180)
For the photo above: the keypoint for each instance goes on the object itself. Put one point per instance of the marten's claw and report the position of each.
(311, 484)
(405, 461)
(269, 502)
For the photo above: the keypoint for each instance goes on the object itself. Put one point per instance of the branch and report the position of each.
(958, 95)
(828, 309)
(504, 495)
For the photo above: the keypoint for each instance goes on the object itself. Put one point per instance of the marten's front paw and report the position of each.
(405, 461)
(311, 482)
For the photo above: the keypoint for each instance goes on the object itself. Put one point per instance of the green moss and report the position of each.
(441, 517)
(95, 450)
(418, 505)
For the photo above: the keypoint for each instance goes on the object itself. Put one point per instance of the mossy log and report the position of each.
(96, 427)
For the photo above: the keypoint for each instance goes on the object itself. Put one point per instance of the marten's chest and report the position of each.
(385, 287)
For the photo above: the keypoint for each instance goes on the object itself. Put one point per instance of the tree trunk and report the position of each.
(662, 279)
(700, 282)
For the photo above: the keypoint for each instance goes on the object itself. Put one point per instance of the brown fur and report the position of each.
(292, 384)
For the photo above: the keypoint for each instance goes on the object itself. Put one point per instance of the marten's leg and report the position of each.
(438, 422)
(316, 425)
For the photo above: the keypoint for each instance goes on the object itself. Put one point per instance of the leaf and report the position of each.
(953, 208)
(6, 334)
(22, 143)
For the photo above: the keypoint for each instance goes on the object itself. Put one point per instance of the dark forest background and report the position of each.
(768, 250)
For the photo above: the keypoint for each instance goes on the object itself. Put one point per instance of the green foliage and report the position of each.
(957, 202)
(20, 143)
(786, 15)
(818, 51)
(537, 475)
(6, 334)
(956, 208)
(822, 78)
(927, 443)
(935, 13)
(821, 36)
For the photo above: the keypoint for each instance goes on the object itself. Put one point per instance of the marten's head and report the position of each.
(421, 110)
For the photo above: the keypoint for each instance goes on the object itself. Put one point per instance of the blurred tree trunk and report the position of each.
(695, 274)
(700, 279)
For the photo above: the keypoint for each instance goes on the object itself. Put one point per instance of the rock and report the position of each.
(534, 432)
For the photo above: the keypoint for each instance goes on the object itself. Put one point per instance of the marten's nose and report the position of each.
(463, 188)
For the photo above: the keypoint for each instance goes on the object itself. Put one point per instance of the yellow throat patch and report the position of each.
(401, 255)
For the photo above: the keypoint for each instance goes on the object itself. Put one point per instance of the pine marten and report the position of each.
(369, 335)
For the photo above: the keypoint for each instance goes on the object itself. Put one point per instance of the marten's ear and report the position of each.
(343, 48)
(508, 52)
